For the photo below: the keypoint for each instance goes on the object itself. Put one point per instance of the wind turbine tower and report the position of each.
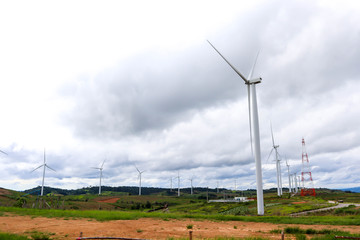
(191, 182)
(171, 178)
(278, 166)
(308, 188)
(178, 177)
(44, 165)
(100, 177)
(254, 128)
(140, 172)
(288, 168)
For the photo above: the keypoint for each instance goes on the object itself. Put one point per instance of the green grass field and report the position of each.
(195, 206)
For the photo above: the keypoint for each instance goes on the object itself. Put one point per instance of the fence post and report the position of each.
(190, 235)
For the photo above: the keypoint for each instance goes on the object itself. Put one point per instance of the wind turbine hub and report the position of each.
(254, 81)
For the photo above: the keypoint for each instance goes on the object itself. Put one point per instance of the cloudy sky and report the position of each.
(136, 83)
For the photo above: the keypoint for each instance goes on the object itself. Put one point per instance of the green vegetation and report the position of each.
(190, 226)
(103, 215)
(34, 235)
(223, 238)
(324, 234)
(162, 203)
(9, 236)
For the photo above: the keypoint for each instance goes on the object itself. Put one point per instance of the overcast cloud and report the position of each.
(135, 82)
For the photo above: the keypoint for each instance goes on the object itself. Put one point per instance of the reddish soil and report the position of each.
(108, 200)
(147, 228)
(298, 202)
(4, 191)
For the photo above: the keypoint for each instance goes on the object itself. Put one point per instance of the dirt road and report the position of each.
(147, 228)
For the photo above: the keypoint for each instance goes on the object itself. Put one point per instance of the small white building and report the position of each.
(241, 199)
(235, 199)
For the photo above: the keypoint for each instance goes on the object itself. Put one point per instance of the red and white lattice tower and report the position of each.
(306, 178)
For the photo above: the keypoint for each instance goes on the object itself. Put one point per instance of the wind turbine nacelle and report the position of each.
(255, 81)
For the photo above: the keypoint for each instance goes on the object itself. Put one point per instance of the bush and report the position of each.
(310, 231)
(300, 237)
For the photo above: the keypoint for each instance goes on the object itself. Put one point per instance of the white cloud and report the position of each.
(136, 83)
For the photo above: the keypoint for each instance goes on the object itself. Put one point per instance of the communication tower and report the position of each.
(307, 187)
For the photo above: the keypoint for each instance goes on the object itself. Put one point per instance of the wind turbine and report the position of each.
(191, 181)
(254, 128)
(140, 172)
(100, 169)
(171, 178)
(278, 167)
(288, 167)
(44, 165)
(178, 177)
(298, 185)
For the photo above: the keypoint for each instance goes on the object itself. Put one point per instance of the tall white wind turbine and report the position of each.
(288, 168)
(100, 169)
(278, 166)
(44, 165)
(254, 128)
(140, 172)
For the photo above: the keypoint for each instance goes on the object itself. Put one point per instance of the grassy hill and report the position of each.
(160, 199)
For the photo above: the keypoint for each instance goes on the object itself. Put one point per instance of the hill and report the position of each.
(354, 189)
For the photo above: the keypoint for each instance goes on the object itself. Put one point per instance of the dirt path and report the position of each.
(147, 228)
(109, 200)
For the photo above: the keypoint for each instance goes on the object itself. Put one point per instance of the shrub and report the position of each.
(300, 237)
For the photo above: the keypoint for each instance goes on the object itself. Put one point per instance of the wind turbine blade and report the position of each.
(248, 90)
(95, 168)
(269, 154)
(37, 167)
(103, 163)
(272, 135)
(246, 81)
(253, 67)
(3, 152)
(49, 167)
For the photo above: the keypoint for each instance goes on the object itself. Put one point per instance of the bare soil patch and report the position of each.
(4, 191)
(147, 228)
(108, 200)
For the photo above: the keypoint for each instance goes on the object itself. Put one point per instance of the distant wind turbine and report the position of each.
(254, 128)
(171, 178)
(288, 168)
(44, 165)
(139, 176)
(178, 177)
(278, 166)
(100, 169)
(191, 182)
